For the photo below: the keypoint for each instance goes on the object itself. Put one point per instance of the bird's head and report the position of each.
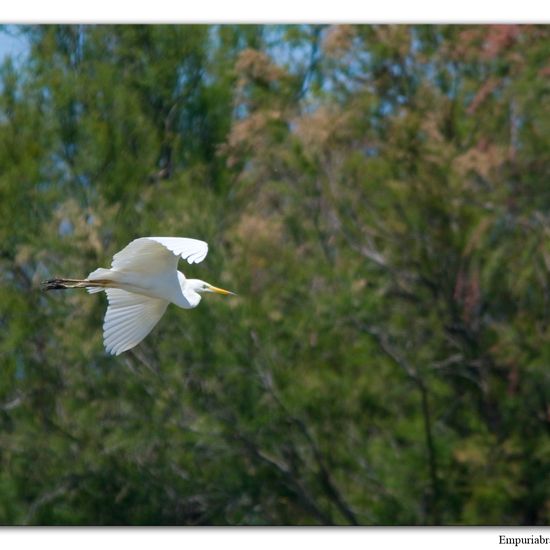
(201, 286)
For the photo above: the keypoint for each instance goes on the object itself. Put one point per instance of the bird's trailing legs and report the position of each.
(57, 284)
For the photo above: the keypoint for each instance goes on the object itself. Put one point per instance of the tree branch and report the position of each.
(385, 346)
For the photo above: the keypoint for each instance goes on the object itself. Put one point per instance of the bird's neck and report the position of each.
(189, 297)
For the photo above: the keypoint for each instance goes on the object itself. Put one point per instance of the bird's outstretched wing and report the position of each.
(159, 254)
(129, 319)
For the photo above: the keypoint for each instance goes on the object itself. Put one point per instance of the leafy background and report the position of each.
(378, 198)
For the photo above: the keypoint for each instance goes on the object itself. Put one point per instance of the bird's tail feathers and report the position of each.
(100, 275)
(94, 289)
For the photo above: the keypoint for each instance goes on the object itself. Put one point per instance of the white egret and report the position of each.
(142, 281)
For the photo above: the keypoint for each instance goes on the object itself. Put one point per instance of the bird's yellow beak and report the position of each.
(220, 291)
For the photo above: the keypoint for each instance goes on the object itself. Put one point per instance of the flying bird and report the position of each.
(142, 281)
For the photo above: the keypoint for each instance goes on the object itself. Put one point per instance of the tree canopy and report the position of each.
(378, 197)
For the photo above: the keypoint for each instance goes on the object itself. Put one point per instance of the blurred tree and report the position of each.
(375, 194)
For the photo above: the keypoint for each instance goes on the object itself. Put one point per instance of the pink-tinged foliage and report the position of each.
(377, 195)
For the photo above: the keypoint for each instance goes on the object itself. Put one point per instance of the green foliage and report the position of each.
(376, 195)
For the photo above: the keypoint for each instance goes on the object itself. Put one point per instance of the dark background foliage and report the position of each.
(376, 195)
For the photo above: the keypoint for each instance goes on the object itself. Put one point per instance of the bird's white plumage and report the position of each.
(142, 280)
(129, 319)
(192, 250)
(154, 254)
